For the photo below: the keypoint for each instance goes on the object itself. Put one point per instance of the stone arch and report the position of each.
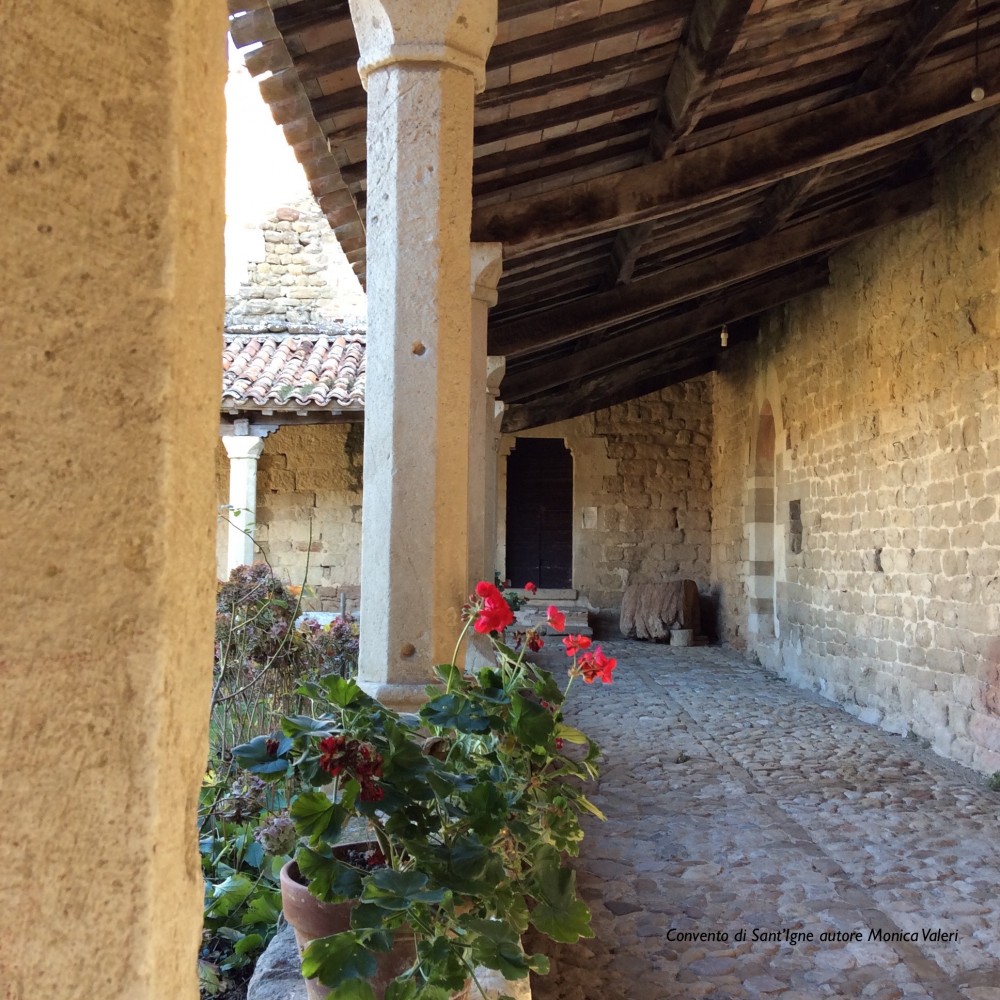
(762, 621)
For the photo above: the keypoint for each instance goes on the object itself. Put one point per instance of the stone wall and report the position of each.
(296, 280)
(886, 558)
(308, 509)
(641, 491)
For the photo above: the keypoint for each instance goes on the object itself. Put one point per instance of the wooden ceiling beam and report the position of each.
(592, 29)
(740, 263)
(711, 32)
(926, 22)
(603, 391)
(665, 333)
(830, 134)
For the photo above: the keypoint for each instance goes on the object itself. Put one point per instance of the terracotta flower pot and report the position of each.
(311, 918)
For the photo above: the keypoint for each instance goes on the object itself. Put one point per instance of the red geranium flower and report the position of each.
(556, 618)
(530, 587)
(576, 644)
(596, 664)
(495, 614)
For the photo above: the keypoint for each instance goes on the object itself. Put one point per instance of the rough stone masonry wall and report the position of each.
(309, 508)
(884, 389)
(641, 491)
(294, 286)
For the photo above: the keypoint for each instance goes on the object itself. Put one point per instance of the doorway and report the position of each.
(540, 514)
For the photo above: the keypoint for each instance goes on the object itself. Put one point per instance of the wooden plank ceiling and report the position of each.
(655, 168)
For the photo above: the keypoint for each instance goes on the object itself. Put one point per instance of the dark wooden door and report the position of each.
(540, 513)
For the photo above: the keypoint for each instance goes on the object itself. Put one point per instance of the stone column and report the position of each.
(112, 263)
(243, 451)
(496, 365)
(487, 264)
(421, 64)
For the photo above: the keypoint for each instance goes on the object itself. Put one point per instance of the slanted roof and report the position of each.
(288, 374)
(655, 168)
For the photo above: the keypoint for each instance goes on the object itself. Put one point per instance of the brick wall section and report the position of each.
(309, 479)
(641, 491)
(889, 436)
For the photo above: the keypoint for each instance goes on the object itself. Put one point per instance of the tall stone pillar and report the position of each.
(487, 264)
(112, 262)
(495, 367)
(421, 64)
(243, 451)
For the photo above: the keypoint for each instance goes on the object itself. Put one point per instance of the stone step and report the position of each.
(533, 615)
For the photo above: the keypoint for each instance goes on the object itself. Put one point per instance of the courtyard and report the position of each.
(761, 842)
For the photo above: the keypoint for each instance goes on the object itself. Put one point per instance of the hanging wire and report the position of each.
(978, 93)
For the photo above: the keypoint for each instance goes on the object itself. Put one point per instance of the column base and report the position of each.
(400, 697)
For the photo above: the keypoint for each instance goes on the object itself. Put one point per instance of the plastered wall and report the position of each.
(641, 491)
(308, 509)
(111, 152)
(887, 420)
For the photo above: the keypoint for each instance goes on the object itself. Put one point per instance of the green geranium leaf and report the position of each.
(449, 674)
(264, 908)
(353, 989)
(393, 890)
(228, 895)
(255, 758)
(338, 959)
(453, 711)
(317, 817)
(254, 855)
(303, 725)
(569, 734)
(249, 944)
(505, 956)
(487, 809)
(401, 989)
(559, 913)
(329, 879)
(532, 724)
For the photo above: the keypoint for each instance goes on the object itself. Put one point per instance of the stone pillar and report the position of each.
(112, 263)
(496, 366)
(487, 264)
(421, 64)
(243, 451)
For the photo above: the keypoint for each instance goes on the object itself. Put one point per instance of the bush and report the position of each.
(261, 656)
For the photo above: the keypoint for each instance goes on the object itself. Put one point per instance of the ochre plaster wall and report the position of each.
(111, 152)
(641, 491)
(884, 391)
(308, 509)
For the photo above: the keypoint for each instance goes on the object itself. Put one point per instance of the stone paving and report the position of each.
(745, 815)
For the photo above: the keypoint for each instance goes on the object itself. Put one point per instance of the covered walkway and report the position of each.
(740, 808)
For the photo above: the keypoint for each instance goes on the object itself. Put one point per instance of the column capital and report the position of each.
(496, 366)
(451, 32)
(487, 267)
(242, 445)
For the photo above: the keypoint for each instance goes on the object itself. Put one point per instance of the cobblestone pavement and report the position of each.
(740, 806)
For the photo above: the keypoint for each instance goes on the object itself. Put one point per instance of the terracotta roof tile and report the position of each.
(318, 371)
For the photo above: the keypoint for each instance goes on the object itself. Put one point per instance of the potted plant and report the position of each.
(466, 814)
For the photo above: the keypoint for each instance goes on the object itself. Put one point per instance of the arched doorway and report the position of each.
(540, 513)
(762, 621)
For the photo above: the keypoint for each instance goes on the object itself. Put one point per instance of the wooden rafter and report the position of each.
(756, 159)
(665, 333)
(922, 28)
(712, 29)
(701, 277)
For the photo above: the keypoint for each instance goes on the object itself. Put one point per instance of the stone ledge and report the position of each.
(278, 976)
